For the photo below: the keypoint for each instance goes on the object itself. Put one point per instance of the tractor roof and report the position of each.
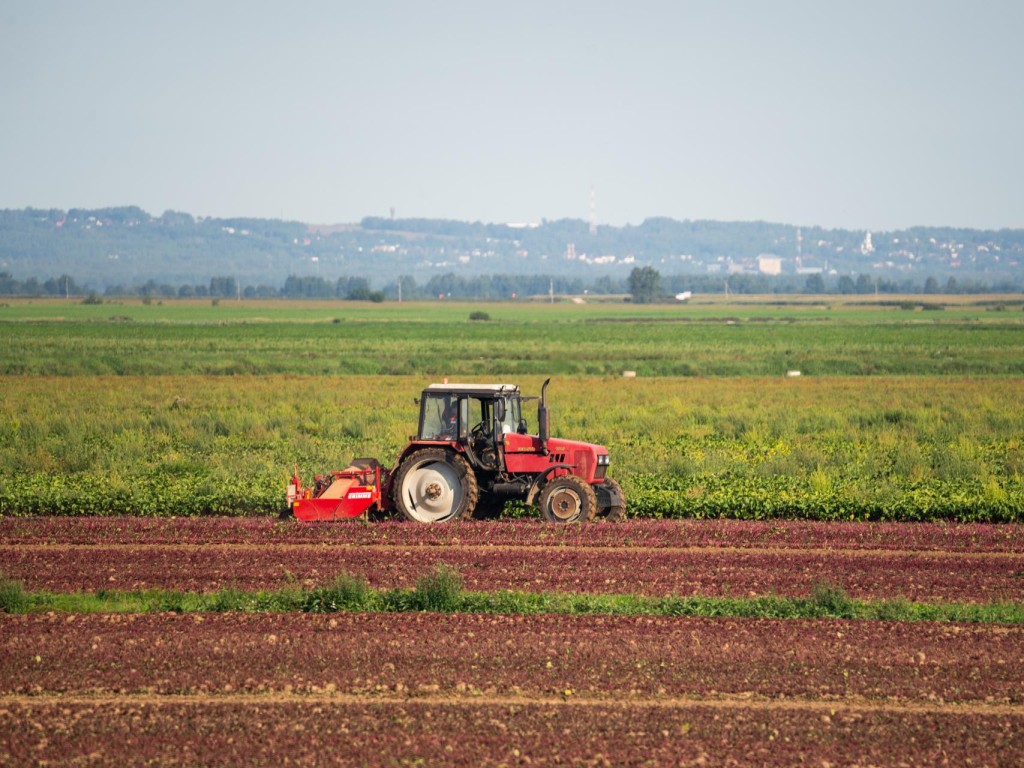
(486, 390)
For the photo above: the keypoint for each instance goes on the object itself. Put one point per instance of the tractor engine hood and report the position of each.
(524, 453)
(560, 445)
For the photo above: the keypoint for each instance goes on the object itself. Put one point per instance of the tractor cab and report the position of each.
(477, 417)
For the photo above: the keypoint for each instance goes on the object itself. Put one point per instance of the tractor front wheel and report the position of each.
(434, 485)
(568, 499)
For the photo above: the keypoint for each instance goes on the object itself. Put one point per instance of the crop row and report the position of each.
(473, 689)
(651, 496)
(925, 577)
(592, 657)
(213, 731)
(648, 534)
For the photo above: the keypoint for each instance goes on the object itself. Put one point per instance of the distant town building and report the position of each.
(769, 265)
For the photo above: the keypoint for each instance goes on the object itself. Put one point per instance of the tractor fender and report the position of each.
(541, 479)
(609, 495)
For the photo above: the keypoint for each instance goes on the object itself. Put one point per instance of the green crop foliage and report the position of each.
(440, 591)
(190, 409)
(336, 338)
(832, 449)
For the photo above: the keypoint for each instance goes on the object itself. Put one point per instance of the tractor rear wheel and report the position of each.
(568, 499)
(617, 512)
(434, 485)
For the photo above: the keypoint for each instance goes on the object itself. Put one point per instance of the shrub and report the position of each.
(479, 315)
(831, 600)
(12, 596)
(347, 593)
(439, 590)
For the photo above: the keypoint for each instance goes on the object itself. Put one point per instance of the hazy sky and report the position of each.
(860, 114)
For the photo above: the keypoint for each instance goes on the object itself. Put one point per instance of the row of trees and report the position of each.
(104, 247)
(643, 285)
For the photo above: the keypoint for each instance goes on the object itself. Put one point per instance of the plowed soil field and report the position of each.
(922, 562)
(471, 689)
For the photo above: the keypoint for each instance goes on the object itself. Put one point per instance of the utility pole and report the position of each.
(593, 212)
(551, 291)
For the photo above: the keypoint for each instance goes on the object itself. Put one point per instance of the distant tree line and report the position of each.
(124, 248)
(643, 285)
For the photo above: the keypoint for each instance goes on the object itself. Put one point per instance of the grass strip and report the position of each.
(441, 591)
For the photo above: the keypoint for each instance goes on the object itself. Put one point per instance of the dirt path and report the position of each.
(514, 548)
(725, 702)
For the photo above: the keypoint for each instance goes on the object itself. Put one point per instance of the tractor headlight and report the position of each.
(604, 459)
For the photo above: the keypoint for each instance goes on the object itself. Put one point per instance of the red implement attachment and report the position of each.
(350, 492)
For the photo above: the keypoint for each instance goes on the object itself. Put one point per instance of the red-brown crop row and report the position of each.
(925, 576)
(653, 534)
(469, 690)
(598, 657)
(208, 731)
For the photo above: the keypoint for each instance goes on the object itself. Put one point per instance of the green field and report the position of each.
(191, 408)
(594, 339)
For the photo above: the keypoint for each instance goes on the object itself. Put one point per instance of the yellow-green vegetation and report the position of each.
(904, 409)
(828, 448)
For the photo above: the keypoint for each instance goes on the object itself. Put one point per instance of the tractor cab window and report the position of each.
(478, 419)
(446, 416)
(513, 416)
(439, 417)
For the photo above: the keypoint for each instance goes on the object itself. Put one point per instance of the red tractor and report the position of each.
(472, 454)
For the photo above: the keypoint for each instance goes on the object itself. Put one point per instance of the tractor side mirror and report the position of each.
(499, 410)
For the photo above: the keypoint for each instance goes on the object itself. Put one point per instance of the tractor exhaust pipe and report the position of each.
(543, 419)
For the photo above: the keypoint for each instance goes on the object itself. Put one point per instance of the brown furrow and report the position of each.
(318, 547)
(736, 701)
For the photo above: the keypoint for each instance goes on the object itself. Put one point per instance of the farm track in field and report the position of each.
(659, 571)
(748, 703)
(522, 549)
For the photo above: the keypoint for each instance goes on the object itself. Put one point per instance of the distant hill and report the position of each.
(128, 247)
